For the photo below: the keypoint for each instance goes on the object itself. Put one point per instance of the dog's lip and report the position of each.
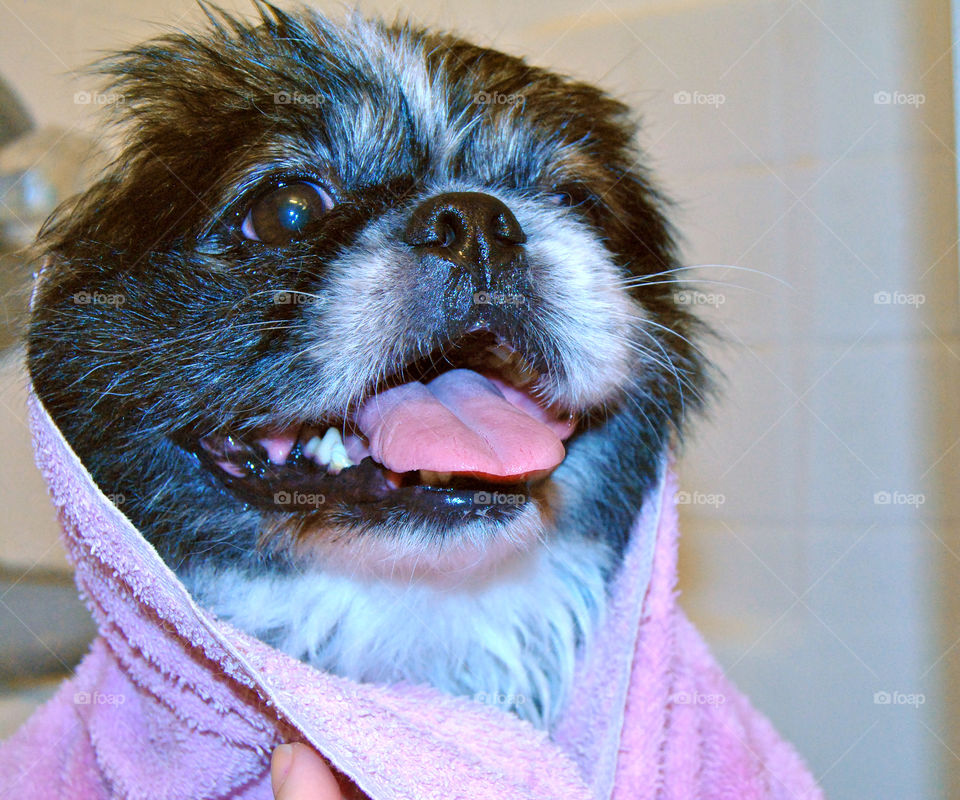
(281, 469)
(478, 347)
(285, 490)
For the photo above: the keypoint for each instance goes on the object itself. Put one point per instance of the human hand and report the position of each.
(298, 772)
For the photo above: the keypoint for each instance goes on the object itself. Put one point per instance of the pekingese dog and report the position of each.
(374, 334)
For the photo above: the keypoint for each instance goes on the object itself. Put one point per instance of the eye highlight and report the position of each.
(571, 195)
(283, 213)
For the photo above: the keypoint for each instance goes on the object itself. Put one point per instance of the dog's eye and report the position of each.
(283, 213)
(570, 195)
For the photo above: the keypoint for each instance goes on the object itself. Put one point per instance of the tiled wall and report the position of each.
(835, 213)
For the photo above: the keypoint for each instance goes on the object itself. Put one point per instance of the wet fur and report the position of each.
(199, 341)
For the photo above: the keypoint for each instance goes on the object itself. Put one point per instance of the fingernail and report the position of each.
(280, 766)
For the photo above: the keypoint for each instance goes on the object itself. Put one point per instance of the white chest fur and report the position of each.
(509, 638)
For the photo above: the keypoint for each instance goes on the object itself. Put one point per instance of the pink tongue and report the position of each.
(462, 422)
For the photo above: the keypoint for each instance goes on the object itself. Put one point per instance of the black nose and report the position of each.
(472, 229)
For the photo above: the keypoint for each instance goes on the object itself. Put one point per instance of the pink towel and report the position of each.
(172, 703)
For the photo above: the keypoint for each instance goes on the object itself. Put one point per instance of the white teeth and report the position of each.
(323, 448)
(310, 448)
(500, 353)
(525, 377)
(511, 365)
(432, 478)
(329, 451)
(521, 375)
(339, 460)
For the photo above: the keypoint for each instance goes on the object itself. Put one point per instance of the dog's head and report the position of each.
(365, 293)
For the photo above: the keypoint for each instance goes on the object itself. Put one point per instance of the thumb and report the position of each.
(298, 772)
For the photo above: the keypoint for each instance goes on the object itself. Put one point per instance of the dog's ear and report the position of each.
(43, 268)
(638, 222)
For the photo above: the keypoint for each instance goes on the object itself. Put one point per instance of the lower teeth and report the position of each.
(329, 451)
(432, 478)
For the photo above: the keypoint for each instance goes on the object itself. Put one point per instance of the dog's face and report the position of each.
(343, 284)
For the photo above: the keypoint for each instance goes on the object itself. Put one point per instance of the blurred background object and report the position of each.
(44, 627)
(810, 147)
(14, 119)
(14, 123)
(38, 169)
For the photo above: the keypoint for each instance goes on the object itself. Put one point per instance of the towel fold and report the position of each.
(172, 703)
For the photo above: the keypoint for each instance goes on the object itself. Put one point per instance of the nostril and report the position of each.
(506, 229)
(434, 227)
(446, 229)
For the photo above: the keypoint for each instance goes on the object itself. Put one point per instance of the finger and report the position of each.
(298, 772)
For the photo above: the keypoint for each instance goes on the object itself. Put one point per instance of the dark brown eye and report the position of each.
(571, 194)
(283, 213)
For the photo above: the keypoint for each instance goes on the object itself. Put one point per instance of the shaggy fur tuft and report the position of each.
(156, 324)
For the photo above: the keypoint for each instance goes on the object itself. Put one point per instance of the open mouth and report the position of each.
(457, 430)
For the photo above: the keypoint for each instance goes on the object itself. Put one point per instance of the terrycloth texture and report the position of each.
(171, 703)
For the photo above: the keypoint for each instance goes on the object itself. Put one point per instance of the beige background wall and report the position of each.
(821, 555)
